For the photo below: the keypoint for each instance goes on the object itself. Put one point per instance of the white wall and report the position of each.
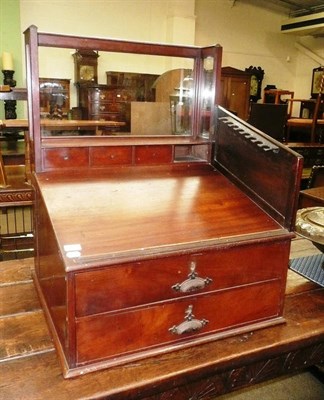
(250, 35)
(161, 21)
(140, 20)
(310, 55)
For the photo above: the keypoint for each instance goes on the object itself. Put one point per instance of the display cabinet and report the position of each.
(54, 97)
(147, 244)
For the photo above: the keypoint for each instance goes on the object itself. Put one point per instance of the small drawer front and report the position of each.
(117, 155)
(100, 107)
(133, 284)
(66, 157)
(107, 117)
(102, 95)
(97, 107)
(147, 155)
(113, 335)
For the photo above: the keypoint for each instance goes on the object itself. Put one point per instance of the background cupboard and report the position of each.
(235, 91)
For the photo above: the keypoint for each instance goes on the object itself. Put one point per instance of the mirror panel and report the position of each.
(148, 95)
(207, 97)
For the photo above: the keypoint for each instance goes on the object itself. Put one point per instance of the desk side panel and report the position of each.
(265, 169)
(51, 280)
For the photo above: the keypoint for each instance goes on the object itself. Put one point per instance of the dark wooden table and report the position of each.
(30, 368)
(313, 197)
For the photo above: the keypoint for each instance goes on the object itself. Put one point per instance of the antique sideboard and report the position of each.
(147, 245)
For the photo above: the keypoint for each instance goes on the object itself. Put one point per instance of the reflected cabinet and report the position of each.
(54, 97)
(163, 237)
(112, 101)
(235, 91)
(100, 102)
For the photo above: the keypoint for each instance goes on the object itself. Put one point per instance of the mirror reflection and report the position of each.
(149, 95)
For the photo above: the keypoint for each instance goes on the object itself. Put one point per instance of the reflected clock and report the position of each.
(317, 81)
(257, 74)
(86, 66)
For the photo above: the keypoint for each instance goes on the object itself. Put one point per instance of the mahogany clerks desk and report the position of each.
(142, 260)
(150, 245)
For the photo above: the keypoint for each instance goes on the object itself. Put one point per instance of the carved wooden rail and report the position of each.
(249, 134)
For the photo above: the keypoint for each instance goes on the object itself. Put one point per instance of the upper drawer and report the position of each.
(133, 284)
(102, 95)
(98, 107)
(110, 95)
(147, 155)
(115, 155)
(66, 157)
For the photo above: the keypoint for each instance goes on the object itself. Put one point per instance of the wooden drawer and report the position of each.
(111, 335)
(134, 284)
(101, 107)
(105, 156)
(108, 117)
(66, 157)
(97, 94)
(147, 155)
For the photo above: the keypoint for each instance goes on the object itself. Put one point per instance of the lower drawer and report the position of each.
(102, 116)
(110, 335)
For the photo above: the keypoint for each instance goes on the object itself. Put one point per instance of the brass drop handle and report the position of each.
(190, 324)
(193, 282)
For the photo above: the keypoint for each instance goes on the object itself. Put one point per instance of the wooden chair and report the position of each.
(16, 206)
(3, 175)
(269, 118)
(309, 123)
(17, 173)
(316, 178)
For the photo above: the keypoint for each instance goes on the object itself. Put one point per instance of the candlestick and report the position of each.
(7, 61)
(10, 109)
(8, 78)
(9, 105)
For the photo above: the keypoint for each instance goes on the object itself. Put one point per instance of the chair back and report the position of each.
(317, 107)
(269, 118)
(3, 176)
(316, 178)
